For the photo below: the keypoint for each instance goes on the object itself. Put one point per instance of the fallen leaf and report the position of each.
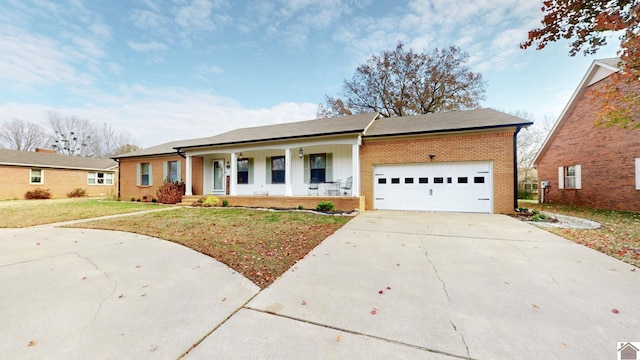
(32, 343)
(121, 296)
(303, 302)
(388, 287)
(535, 306)
(224, 299)
(615, 311)
(138, 266)
(37, 244)
(84, 278)
(338, 338)
(380, 292)
(398, 264)
(634, 269)
(373, 312)
(564, 345)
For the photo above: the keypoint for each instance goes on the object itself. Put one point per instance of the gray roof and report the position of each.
(45, 160)
(368, 125)
(444, 122)
(311, 128)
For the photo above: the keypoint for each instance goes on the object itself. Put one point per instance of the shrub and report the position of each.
(133, 198)
(171, 192)
(38, 193)
(325, 206)
(211, 201)
(225, 203)
(77, 193)
(300, 207)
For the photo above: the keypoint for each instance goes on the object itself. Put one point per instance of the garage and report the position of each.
(456, 186)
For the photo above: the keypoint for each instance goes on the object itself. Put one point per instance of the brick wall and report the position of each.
(494, 146)
(128, 184)
(606, 155)
(14, 182)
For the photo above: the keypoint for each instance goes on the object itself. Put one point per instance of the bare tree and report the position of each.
(75, 136)
(22, 135)
(401, 82)
(123, 149)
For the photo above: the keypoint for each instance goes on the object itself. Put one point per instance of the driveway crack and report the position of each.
(106, 275)
(435, 270)
(466, 347)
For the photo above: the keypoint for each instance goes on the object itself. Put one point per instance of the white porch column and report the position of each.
(233, 181)
(355, 169)
(189, 183)
(288, 189)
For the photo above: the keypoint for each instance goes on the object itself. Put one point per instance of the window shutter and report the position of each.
(250, 171)
(268, 170)
(637, 173)
(329, 168)
(150, 175)
(561, 177)
(179, 170)
(138, 174)
(578, 176)
(307, 169)
(165, 171)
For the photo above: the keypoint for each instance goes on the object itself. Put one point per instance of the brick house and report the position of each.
(456, 161)
(24, 171)
(589, 166)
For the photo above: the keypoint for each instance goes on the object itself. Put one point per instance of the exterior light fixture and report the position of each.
(240, 156)
(431, 156)
(300, 153)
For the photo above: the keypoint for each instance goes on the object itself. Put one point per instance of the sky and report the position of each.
(166, 70)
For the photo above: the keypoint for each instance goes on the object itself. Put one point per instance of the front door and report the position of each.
(218, 175)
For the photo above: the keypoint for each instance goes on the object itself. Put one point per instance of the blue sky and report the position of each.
(177, 69)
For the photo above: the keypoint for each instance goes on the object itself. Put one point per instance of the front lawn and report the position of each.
(261, 245)
(23, 213)
(619, 235)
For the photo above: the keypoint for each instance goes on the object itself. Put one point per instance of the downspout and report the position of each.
(515, 167)
(119, 174)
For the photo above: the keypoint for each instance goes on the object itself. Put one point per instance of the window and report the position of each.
(449, 180)
(438, 180)
(463, 180)
(408, 180)
(395, 180)
(172, 169)
(382, 180)
(243, 171)
(569, 177)
(36, 176)
(423, 180)
(277, 170)
(478, 180)
(98, 178)
(144, 174)
(318, 166)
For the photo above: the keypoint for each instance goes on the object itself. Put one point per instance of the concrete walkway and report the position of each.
(409, 285)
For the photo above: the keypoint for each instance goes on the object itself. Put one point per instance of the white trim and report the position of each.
(288, 188)
(189, 182)
(560, 177)
(578, 169)
(637, 173)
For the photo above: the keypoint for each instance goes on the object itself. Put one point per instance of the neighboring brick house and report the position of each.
(586, 165)
(456, 161)
(24, 171)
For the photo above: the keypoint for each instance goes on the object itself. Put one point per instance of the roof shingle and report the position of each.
(41, 159)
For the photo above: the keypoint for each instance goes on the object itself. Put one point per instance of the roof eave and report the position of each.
(488, 127)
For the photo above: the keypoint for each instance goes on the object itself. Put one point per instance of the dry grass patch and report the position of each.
(619, 235)
(261, 245)
(23, 213)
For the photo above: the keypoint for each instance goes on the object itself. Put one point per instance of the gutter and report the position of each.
(515, 167)
(442, 131)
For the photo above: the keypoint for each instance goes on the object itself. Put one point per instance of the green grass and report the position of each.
(619, 236)
(261, 245)
(22, 213)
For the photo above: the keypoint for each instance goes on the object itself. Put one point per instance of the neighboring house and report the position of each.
(589, 166)
(456, 161)
(24, 171)
(527, 181)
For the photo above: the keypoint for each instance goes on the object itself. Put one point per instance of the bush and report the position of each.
(38, 193)
(170, 192)
(211, 201)
(133, 198)
(300, 207)
(77, 193)
(225, 203)
(325, 206)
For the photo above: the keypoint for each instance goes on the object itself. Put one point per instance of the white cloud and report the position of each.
(146, 47)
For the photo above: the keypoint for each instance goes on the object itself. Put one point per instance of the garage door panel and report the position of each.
(465, 186)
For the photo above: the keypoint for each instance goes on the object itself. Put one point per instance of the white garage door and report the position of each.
(460, 186)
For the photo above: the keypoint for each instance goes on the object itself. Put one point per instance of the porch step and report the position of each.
(189, 200)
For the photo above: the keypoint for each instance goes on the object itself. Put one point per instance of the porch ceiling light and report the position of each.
(300, 153)
(240, 156)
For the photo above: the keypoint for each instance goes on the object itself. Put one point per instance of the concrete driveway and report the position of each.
(438, 286)
(387, 285)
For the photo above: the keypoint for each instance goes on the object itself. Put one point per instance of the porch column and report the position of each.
(355, 169)
(233, 180)
(288, 189)
(189, 180)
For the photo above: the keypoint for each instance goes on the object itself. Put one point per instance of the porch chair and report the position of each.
(347, 186)
(313, 187)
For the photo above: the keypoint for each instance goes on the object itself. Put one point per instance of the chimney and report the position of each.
(46, 151)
